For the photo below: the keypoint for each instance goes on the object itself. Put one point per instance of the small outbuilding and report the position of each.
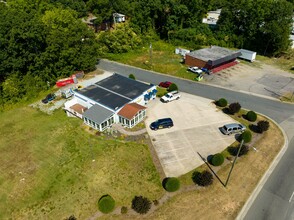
(212, 58)
(247, 55)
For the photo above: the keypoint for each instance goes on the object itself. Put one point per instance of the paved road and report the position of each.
(274, 200)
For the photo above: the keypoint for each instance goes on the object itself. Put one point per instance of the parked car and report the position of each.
(206, 71)
(199, 77)
(195, 69)
(165, 84)
(232, 128)
(50, 97)
(174, 95)
(162, 123)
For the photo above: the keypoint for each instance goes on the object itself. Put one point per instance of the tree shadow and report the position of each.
(244, 116)
(254, 128)
(164, 181)
(209, 159)
(227, 111)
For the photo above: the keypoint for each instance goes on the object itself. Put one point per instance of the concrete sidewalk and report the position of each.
(121, 129)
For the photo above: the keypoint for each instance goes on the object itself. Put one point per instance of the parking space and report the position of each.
(196, 130)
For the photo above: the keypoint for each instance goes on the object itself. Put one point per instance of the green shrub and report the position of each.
(124, 210)
(161, 91)
(131, 76)
(106, 204)
(246, 136)
(171, 184)
(72, 217)
(217, 159)
(234, 107)
(155, 202)
(202, 179)
(141, 204)
(262, 126)
(222, 102)
(172, 87)
(251, 116)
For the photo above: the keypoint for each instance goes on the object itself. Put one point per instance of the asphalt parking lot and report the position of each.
(196, 130)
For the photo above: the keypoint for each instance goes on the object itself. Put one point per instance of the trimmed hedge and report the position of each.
(202, 179)
(222, 102)
(246, 136)
(171, 184)
(217, 159)
(106, 204)
(234, 107)
(251, 116)
(131, 76)
(141, 204)
(262, 126)
(172, 87)
(123, 210)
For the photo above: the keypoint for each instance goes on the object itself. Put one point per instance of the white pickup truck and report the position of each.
(174, 95)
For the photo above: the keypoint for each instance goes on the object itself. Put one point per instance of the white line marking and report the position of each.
(291, 197)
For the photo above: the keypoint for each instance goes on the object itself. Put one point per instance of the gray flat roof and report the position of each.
(123, 85)
(104, 96)
(212, 53)
(98, 114)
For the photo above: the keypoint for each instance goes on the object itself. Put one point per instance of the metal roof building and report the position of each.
(106, 98)
(211, 57)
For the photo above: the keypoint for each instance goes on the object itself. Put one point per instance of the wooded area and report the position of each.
(41, 41)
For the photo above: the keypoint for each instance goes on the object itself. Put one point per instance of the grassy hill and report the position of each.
(47, 170)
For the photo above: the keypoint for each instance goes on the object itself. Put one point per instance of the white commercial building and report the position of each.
(115, 99)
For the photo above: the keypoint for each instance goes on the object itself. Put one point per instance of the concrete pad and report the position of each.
(196, 129)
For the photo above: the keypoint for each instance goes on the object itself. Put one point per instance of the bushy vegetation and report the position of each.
(246, 136)
(251, 116)
(202, 179)
(121, 40)
(131, 76)
(124, 210)
(234, 150)
(141, 204)
(262, 126)
(222, 102)
(217, 159)
(234, 107)
(46, 41)
(172, 87)
(72, 217)
(106, 204)
(171, 184)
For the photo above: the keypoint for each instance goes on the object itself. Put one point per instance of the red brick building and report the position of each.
(211, 57)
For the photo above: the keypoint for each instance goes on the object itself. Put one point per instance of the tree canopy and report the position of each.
(43, 40)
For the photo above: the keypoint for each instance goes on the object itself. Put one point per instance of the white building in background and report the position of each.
(212, 17)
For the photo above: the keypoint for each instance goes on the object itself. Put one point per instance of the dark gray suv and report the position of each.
(162, 123)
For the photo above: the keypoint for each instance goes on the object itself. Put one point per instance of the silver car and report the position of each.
(232, 128)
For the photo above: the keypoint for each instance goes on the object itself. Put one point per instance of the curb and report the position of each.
(266, 175)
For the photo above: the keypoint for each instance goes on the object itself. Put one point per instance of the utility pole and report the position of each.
(150, 53)
(234, 163)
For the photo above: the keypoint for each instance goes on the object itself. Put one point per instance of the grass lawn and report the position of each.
(284, 62)
(164, 60)
(47, 170)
